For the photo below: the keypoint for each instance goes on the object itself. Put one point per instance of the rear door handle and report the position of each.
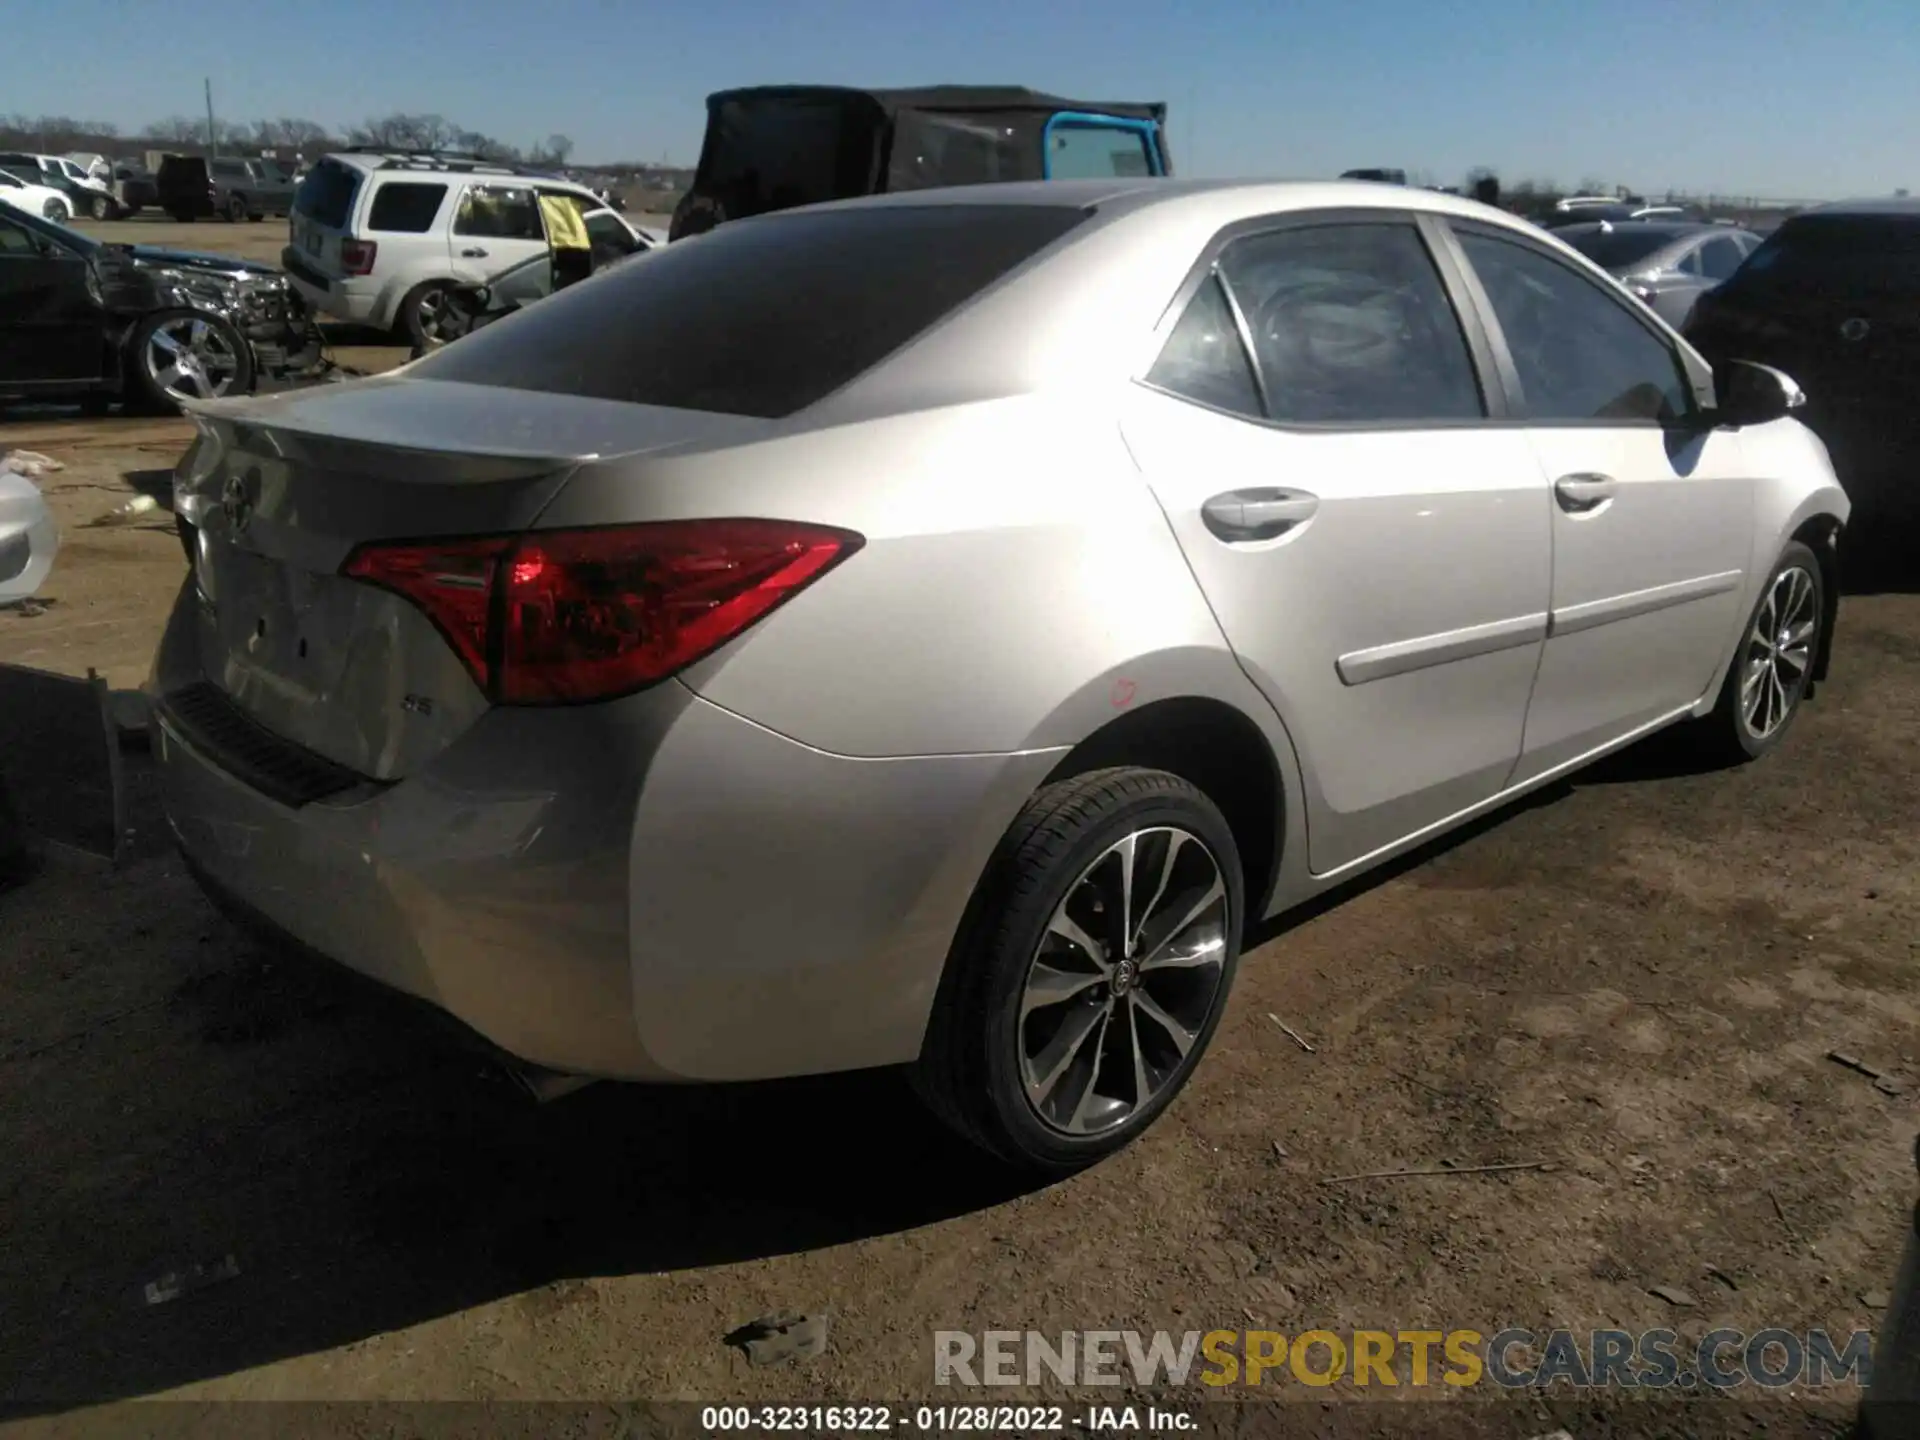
(1579, 494)
(1240, 516)
(472, 252)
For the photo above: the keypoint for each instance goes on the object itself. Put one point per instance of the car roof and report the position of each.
(1250, 197)
(946, 98)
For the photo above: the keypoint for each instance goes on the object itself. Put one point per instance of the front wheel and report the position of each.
(100, 207)
(56, 210)
(237, 209)
(177, 356)
(1774, 664)
(1090, 973)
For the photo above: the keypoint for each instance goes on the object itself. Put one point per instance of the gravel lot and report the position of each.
(1637, 976)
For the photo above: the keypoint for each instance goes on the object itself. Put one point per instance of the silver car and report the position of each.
(1666, 264)
(929, 630)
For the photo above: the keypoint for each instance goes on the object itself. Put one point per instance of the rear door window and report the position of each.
(499, 212)
(759, 317)
(405, 207)
(1350, 324)
(326, 195)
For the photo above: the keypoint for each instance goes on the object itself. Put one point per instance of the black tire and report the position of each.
(100, 207)
(1728, 734)
(141, 392)
(180, 217)
(970, 1067)
(56, 211)
(409, 326)
(236, 208)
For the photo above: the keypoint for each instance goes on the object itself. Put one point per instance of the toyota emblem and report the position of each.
(236, 503)
(1855, 329)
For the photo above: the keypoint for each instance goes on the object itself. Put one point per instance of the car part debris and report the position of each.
(131, 509)
(28, 536)
(781, 1337)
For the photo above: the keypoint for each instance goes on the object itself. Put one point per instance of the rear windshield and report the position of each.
(326, 195)
(1617, 249)
(1845, 251)
(759, 317)
(183, 167)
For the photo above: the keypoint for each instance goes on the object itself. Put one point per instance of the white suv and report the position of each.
(376, 237)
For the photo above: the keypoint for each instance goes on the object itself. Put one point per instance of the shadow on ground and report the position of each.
(365, 1172)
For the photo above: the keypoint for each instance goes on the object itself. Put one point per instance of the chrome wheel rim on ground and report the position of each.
(190, 359)
(1123, 981)
(431, 312)
(1778, 655)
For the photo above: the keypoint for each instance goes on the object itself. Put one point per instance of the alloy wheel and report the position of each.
(190, 359)
(1778, 655)
(431, 312)
(1124, 981)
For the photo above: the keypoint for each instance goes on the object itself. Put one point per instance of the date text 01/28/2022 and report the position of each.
(937, 1419)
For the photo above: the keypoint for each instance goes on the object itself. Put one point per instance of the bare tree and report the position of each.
(554, 152)
(177, 130)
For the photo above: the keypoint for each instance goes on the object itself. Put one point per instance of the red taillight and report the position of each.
(356, 256)
(559, 616)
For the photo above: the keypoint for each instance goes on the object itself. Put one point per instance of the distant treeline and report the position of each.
(65, 134)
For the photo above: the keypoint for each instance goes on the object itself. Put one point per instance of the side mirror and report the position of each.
(1753, 394)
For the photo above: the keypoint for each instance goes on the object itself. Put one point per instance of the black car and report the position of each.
(192, 187)
(1833, 298)
(82, 319)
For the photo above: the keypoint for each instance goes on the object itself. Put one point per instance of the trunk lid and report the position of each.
(279, 491)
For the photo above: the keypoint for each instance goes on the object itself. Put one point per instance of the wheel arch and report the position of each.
(1219, 749)
(1820, 533)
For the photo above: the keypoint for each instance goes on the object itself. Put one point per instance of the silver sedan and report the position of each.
(930, 630)
(1665, 264)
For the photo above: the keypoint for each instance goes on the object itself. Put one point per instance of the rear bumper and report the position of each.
(354, 301)
(650, 889)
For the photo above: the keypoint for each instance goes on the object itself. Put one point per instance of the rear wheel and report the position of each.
(180, 355)
(236, 208)
(1090, 973)
(1774, 664)
(57, 209)
(419, 320)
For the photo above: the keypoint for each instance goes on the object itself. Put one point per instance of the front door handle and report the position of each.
(473, 252)
(1581, 494)
(1240, 516)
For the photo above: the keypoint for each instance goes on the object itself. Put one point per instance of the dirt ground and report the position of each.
(1637, 976)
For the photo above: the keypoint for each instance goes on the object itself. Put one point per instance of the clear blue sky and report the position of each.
(1782, 98)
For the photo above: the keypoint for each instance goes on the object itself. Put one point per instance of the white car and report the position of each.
(42, 200)
(376, 238)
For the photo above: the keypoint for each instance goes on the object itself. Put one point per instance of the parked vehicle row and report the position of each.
(85, 193)
(35, 198)
(195, 187)
(97, 322)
